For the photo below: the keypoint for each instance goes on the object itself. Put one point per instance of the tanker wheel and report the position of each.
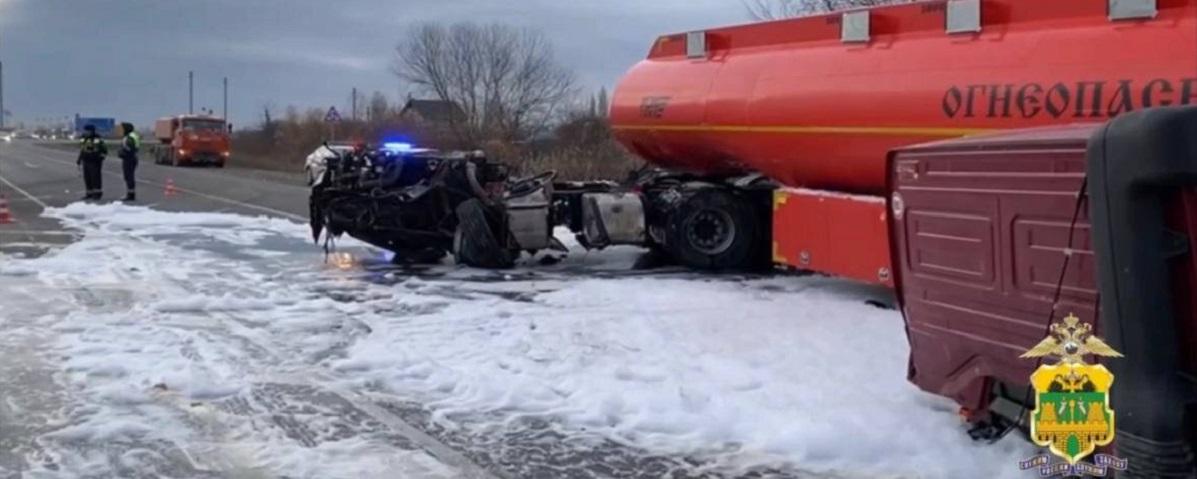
(475, 243)
(716, 230)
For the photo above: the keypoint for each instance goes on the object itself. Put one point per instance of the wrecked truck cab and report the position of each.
(423, 204)
(404, 201)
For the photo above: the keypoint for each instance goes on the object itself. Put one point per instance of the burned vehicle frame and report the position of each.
(422, 204)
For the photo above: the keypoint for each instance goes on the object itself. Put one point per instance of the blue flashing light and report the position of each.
(398, 147)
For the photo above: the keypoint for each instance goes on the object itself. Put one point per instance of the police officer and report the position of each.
(92, 152)
(130, 145)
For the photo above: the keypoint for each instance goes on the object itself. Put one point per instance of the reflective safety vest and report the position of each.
(93, 146)
(133, 141)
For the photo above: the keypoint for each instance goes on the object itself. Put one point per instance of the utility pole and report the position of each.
(226, 99)
(190, 92)
(1, 95)
(354, 115)
(2, 105)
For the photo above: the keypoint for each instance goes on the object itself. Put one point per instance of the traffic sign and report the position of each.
(332, 116)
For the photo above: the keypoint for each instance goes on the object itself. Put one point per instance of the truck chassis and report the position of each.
(423, 205)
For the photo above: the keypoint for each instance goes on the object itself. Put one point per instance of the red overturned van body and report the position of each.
(996, 236)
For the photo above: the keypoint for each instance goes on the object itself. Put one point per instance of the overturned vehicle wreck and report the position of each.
(425, 204)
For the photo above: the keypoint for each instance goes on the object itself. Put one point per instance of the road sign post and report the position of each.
(332, 118)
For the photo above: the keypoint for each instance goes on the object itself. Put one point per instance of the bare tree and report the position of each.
(778, 9)
(377, 109)
(603, 103)
(269, 123)
(506, 80)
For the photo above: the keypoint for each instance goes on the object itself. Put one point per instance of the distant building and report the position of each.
(105, 127)
(432, 111)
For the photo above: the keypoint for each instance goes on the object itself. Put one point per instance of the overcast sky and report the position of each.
(129, 58)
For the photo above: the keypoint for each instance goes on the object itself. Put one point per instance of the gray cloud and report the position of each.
(130, 58)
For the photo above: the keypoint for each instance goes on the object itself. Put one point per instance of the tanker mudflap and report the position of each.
(1137, 164)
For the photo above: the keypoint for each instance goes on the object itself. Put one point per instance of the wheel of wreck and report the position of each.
(475, 242)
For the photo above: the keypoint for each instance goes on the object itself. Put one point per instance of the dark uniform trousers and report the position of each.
(128, 167)
(128, 154)
(92, 178)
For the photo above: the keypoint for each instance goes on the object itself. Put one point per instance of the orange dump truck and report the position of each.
(191, 140)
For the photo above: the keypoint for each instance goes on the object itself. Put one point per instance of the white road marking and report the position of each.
(30, 244)
(365, 401)
(23, 192)
(226, 200)
(195, 193)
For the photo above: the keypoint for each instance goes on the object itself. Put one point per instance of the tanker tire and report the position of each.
(716, 230)
(474, 242)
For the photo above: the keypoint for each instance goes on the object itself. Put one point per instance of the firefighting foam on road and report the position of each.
(243, 345)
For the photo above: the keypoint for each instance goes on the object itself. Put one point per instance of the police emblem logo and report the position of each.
(1072, 415)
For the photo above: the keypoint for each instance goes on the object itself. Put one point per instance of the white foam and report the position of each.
(814, 378)
(786, 370)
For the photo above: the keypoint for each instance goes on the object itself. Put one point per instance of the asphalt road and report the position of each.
(34, 177)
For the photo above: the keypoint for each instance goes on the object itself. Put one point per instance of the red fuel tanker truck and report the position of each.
(998, 163)
(817, 113)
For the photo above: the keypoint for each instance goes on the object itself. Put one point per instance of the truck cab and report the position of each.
(191, 140)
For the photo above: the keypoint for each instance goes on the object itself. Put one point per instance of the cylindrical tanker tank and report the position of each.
(791, 99)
